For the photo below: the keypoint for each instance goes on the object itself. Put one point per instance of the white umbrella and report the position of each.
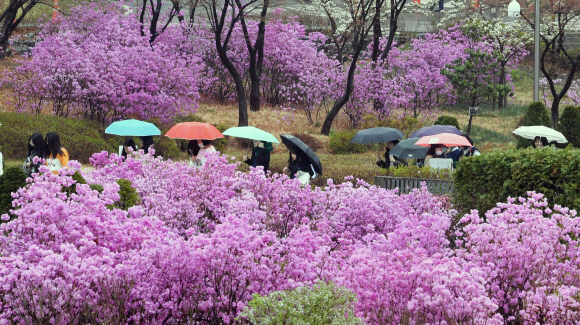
(531, 132)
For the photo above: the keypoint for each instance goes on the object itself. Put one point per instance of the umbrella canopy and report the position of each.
(377, 135)
(435, 129)
(132, 128)
(291, 141)
(194, 130)
(408, 149)
(531, 132)
(446, 139)
(250, 132)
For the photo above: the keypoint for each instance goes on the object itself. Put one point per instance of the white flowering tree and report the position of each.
(559, 18)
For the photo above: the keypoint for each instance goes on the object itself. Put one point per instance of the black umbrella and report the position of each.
(435, 129)
(291, 141)
(407, 149)
(377, 135)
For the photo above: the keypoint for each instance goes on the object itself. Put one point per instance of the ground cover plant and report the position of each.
(199, 243)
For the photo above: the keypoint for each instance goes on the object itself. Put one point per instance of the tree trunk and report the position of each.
(254, 87)
(338, 104)
(7, 29)
(469, 124)
(502, 80)
(240, 91)
(377, 34)
(555, 111)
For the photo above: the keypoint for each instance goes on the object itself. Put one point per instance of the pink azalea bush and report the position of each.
(96, 64)
(202, 241)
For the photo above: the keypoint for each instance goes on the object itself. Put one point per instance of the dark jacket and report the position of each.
(387, 162)
(300, 165)
(33, 168)
(260, 157)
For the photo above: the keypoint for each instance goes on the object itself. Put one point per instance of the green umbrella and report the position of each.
(132, 128)
(250, 132)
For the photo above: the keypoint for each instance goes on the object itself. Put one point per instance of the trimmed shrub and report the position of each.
(128, 196)
(220, 144)
(340, 142)
(447, 120)
(81, 138)
(78, 178)
(97, 187)
(323, 304)
(482, 181)
(536, 114)
(569, 125)
(12, 179)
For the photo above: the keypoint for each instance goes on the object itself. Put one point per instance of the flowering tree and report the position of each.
(558, 18)
(105, 70)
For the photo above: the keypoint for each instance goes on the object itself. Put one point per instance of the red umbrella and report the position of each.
(194, 130)
(446, 139)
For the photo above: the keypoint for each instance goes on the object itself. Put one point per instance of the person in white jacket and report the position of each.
(205, 148)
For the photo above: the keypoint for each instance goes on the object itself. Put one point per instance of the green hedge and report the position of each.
(482, 181)
(80, 137)
(12, 179)
(340, 142)
(447, 120)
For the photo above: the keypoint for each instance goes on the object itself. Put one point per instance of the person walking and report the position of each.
(129, 143)
(56, 156)
(35, 149)
(298, 162)
(540, 142)
(390, 160)
(260, 156)
(145, 143)
(192, 150)
(205, 148)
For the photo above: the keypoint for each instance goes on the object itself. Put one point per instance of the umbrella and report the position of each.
(377, 135)
(446, 139)
(250, 132)
(194, 130)
(531, 132)
(132, 128)
(408, 149)
(292, 141)
(435, 129)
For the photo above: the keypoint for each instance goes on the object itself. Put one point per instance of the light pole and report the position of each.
(514, 12)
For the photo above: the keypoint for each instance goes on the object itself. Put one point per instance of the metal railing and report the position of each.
(406, 185)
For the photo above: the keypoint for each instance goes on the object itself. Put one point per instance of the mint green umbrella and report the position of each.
(250, 132)
(132, 128)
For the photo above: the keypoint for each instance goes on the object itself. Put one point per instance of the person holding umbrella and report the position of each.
(192, 150)
(297, 163)
(260, 155)
(145, 143)
(303, 162)
(129, 143)
(540, 142)
(390, 160)
(205, 149)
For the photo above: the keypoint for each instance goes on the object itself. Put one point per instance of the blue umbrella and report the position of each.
(435, 129)
(132, 128)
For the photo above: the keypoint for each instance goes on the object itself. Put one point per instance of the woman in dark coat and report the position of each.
(260, 156)
(298, 162)
(390, 159)
(129, 143)
(36, 148)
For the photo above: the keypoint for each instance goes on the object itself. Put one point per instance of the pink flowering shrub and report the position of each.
(202, 241)
(106, 70)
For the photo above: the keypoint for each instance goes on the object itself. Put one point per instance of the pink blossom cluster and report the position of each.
(96, 64)
(202, 241)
